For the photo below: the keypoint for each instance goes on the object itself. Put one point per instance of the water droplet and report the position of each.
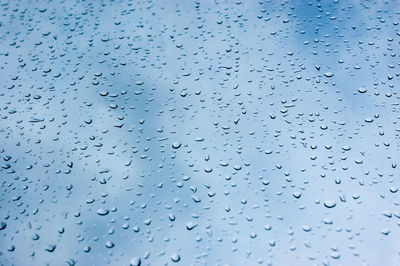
(329, 203)
(175, 257)
(136, 261)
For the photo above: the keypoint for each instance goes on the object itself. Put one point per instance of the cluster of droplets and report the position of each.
(180, 132)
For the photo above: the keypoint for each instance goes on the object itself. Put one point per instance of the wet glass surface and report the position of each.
(199, 133)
